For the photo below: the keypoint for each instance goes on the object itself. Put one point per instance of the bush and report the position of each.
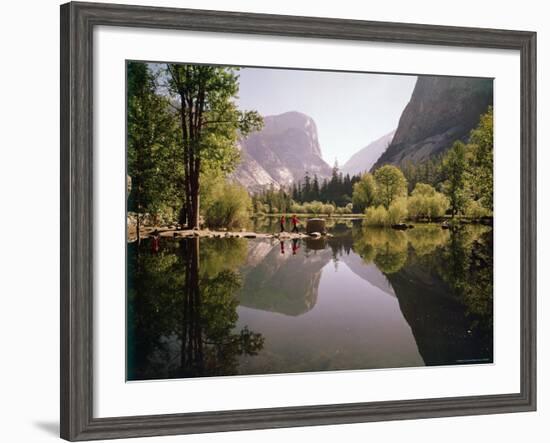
(474, 209)
(314, 207)
(227, 205)
(328, 209)
(297, 208)
(425, 201)
(397, 212)
(376, 216)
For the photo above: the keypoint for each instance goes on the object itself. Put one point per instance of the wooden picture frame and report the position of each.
(77, 23)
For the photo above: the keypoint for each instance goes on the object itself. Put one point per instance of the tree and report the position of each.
(315, 188)
(226, 204)
(391, 183)
(151, 145)
(454, 167)
(210, 123)
(364, 193)
(480, 161)
(306, 189)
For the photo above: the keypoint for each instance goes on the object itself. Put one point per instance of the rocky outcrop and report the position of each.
(281, 153)
(363, 159)
(441, 110)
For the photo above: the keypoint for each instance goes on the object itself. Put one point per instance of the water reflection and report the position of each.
(364, 298)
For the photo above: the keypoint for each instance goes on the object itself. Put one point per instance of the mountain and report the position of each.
(363, 159)
(441, 110)
(281, 153)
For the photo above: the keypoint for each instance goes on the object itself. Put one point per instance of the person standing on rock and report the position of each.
(282, 223)
(295, 222)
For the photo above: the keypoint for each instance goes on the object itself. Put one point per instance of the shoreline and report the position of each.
(174, 233)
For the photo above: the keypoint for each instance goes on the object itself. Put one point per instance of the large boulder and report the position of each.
(316, 225)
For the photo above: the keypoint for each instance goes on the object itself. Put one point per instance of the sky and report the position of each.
(350, 110)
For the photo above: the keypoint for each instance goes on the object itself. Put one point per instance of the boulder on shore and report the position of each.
(315, 225)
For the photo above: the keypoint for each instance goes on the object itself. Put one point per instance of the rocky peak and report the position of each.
(441, 111)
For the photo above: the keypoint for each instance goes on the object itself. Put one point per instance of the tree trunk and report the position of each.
(138, 227)
(195, 204)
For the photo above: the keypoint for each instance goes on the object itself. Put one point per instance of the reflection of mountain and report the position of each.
(368, 272)
(283, 283)
(439, 322)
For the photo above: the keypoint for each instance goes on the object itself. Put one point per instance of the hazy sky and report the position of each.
(350, 109)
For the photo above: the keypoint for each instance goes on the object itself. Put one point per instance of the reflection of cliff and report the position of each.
(368, 272)
(283, 282)
(439, 322)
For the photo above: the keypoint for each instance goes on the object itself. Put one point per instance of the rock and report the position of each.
(315, 225)
(410, 226)
(281, 152)
(363, 159)
(440, 111)
(400, 226)
(315, 234)
(249, 236)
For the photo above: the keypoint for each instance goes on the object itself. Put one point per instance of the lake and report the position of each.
(364, 298)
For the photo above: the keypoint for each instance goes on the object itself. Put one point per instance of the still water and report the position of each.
(364, 298)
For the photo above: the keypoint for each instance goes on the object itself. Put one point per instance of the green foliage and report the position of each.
(426, 202)
(429, 171)
(397, 212)
(210, 124)
(377, 216)
(337, 190)
(328, 209)
(364, 193)
(152, 168)
(475, 209)
(314, 207)
(454, 187)
(225, 204)
(390, 184)
(480, 161)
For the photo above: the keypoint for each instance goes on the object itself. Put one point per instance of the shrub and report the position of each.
(397, 212)
(297, 208)
(328, 209)
(376, 216)
(314, 207)
(425, 201)
(474, 209)
(228, 205)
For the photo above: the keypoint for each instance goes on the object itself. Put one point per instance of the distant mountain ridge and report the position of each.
(281, 153)
(440, 111)
(364, 159)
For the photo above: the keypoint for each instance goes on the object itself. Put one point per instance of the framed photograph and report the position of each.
(272, 221)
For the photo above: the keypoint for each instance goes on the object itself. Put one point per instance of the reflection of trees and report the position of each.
(425, 239)
(387, 248)
(467, 266)
(182, 311)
